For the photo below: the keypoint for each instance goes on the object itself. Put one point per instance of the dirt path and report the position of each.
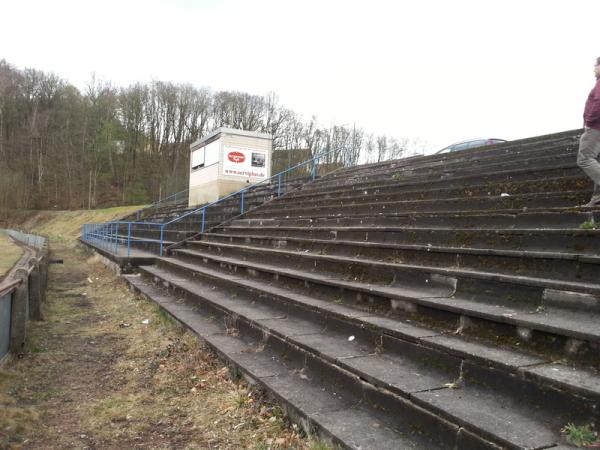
(97, 375)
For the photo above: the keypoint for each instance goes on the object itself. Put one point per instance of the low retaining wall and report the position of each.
(22, 292)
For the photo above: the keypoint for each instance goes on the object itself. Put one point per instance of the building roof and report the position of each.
(214, 135)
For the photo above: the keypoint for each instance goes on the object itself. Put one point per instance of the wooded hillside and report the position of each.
(106, 145)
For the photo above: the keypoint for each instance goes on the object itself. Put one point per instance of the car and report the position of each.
(472, 143)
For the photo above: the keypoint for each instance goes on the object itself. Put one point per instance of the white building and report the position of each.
(227, 160)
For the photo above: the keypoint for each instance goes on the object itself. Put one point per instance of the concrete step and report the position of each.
(454, 163)
(560, 265)
(542, 311)
(582, 382)
(506, 219)
(583, 242)
(456, 159)
(569, 138)
(442, 182)
(390, 194)
(470, 187)
(544, 163)
(390, 369)
(339, 409)
(482, 203)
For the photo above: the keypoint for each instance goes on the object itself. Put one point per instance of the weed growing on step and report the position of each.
(580, 436)
(398, 176)
(320, 445)
(589, 225)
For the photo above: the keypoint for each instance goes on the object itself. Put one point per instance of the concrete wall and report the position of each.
(22, 293)
(203, 187)
(5, 314)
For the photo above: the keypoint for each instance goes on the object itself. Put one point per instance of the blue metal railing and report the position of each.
(109, 235)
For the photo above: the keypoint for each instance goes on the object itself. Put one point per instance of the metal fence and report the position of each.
(22, 292)
(30, 240)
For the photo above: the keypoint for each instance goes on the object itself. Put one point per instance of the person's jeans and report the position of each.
(587, 158)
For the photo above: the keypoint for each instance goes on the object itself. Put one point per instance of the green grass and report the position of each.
(589, 225)
(319, 445)
(580, 436)
(9, 254)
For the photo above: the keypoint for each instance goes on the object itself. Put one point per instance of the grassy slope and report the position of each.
(62, 226)
(9, 254)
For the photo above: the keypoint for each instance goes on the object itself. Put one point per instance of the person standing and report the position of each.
(589, 144)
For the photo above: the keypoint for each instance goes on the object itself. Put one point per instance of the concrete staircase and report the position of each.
(449, 301)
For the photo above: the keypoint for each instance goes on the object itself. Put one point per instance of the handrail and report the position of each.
(31, 251)
(8, 287)
(107, 233)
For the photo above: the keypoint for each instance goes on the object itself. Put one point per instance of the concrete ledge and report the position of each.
(23, 292)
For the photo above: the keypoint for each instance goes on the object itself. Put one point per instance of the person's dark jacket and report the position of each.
(591, 114)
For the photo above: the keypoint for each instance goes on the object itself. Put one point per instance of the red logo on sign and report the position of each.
(236, 157)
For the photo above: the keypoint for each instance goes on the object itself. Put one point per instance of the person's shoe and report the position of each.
(595, 201)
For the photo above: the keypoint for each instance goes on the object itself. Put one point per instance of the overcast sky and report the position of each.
(436, 70)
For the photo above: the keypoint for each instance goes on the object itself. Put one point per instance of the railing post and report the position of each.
(35, 296)
(18, 320)
(128, 239)
(203, 220)
(242, 202)
(117, 238)
(313, 174)
(279, 185)
(162, 229)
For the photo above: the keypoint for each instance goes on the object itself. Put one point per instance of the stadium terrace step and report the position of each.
(499, 152)
(446, 168)
(448, 388)
(481, 203)
(459, 162)
(585, 242)
(335, 403)
(560, 311)
(560, 265)
(513, 361)
(508, 176)
(550, 218)
(442, 188)
(353, 197)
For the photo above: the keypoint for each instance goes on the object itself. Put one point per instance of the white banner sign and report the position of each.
(244, 162)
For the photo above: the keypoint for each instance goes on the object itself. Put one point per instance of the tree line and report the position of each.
(106, 145)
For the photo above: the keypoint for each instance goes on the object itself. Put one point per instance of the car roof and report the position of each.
(475, 139)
